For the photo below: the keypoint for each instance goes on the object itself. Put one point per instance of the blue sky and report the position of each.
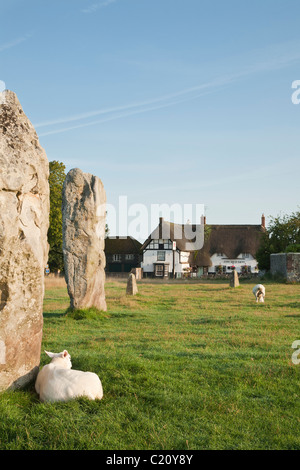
(167, 101)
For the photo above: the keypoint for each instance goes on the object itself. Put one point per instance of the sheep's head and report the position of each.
(64, 355)
(260, 296)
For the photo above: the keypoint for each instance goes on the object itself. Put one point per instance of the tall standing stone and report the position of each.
(24, 221)
(234, 280)
(84, 213)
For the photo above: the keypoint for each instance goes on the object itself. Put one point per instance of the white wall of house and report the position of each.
(182, 261)
(244, 259)
(150, 257)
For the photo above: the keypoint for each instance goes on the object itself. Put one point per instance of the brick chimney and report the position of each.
(160, 230)
(263, 221)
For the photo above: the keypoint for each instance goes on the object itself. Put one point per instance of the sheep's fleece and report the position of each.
(58, 382)
(259, 292)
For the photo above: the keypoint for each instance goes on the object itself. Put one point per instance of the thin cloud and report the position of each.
(96, 6)
(128, 113)
(14, 42)
(274, 62)
(136, 107)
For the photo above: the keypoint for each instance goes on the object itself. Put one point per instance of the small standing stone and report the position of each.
(84, 212)
(234, 280)
(131, 285)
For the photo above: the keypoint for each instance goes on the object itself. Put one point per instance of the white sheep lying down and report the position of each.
(58, 382)
(259, 292)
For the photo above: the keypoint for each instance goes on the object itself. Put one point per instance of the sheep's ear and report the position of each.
(50, 354)
(65, 353)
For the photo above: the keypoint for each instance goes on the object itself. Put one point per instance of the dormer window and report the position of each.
(162, 244)
(153, 245)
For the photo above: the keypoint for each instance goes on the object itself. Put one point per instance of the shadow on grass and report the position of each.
(54, 314)
(122, 314)
(203, 288)
(290, 305)
(204, 321)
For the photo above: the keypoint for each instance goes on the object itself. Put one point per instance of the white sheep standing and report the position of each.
(259, 292)
(56, 381)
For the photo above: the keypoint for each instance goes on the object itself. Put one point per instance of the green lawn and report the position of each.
(183, 366)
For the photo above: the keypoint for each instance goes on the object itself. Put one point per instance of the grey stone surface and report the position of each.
(234, 279)
(24, 222)
(286, 265)
(84, 214)
(131, 285)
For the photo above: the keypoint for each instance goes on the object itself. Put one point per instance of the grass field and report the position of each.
(183, 366)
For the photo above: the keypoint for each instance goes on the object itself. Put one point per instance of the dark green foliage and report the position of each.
(283, 235)
(293, 248)
(56, 180)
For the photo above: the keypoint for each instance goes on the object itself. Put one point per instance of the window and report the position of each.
(129, 257)
(117, 257)
(164, 244)
(153, 245)
(159, 270)
(161, 256)
(245, 255)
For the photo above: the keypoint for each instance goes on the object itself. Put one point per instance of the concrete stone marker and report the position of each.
(24, 222)
(131, 285)
(84, 213)
(234, 279)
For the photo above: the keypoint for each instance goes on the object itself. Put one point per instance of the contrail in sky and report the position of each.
(171, 99)
(138, 107)
(134, 108)
(95, 6)
(116, 116)
(14, 42)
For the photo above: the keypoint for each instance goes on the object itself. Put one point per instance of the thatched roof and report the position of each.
(230, 240)
(122, 245)
(200, 258)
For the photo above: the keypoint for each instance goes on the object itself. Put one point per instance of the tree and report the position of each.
(56, 180)
(106, 228)
(282, 235)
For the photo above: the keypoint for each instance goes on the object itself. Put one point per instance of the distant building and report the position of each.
(226, 247)
(122, 254)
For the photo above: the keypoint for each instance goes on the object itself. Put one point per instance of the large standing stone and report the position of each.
(234, 279)
(84, 204)
(131, 285)
(24, 221)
